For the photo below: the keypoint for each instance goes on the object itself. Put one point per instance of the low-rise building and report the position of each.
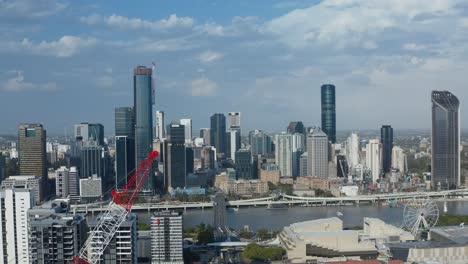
(270, 175)
(244, 187)
(325, 240)
(90, 188)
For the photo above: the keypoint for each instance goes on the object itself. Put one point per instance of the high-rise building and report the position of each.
(374, 159)
(445, 140)
(32, 150)
(317, 154)
(399, 159)
(205, 133)
(352, 150)
(160, 127)
(2, 167)
(74, 184)
(122, 247)
(93, 161)
(124, 145)
(124, 160)
(386, 138)
(234, 120)
(143, 107)
(260, 143)
(61, 182)
(86, 132)
(187, 123)
(243, 164)
(298, 146)
(329, 111)
(233, 143)
(208, 157)
(218, 133)
(303, 164)
(166, 238)
(174, 161)
(283, 154)
(189, 160)
(125, 122)
(31, 182)
(14, 241)
(55, 235)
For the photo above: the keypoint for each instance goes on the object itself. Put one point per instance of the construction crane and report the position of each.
(118, 209)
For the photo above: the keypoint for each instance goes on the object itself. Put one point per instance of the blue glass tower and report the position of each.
(143, 107)
(329, 111)
(386, 138)
(124, 145)
(218, 133)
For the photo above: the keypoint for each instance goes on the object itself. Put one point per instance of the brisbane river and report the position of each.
(275, 219)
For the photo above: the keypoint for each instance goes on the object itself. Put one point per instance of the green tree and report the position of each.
(256, 252)
(245, 234)
(264, 234)
(143, 226)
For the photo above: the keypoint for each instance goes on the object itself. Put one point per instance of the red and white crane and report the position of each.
(118, 209)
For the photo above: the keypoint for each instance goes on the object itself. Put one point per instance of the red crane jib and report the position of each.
(127, 196)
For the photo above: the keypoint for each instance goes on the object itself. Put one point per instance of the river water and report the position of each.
(263, 218)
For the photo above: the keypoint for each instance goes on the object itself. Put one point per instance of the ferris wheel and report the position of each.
(420, 214)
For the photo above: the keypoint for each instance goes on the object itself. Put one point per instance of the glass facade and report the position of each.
(175, 167)
(218, 132)
(386, 138)
(445, 140)
(143, 107)
(244, 165)
(124, 159)
(125, 122)
(329, 111)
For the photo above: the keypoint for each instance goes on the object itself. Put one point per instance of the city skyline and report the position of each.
(205, 59)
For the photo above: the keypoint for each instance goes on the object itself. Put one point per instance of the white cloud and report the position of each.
(29, 9)
(352, 23)
(203, 87)
(149, 45)
(414, 47)
(66, 46)
(125, 23)
(105, 81)
(18, 84)
(210, 56)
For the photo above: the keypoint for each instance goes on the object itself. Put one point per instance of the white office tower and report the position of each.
(166, 238)
(399, 159)
(283, 154)
(187, 123)
(317, 150)
(352, 150)
(74, 184)
(14, 243)
(61, 182)
(374, 158)
(234, 120)
(233, 143)
(160, 125)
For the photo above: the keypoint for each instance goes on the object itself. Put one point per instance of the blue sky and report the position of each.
(65, 62)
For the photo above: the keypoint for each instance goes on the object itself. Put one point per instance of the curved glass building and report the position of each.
(143, 107)
(329, 111)
(445, 140)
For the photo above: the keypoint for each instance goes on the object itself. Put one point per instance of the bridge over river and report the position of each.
(284, 200)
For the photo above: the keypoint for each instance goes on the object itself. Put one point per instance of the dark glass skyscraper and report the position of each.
(143, 107)
(445, 140)
(386, 138)
(329, 111)
(175, 159)
(218, 133)
(124, 144)
(243, 164)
